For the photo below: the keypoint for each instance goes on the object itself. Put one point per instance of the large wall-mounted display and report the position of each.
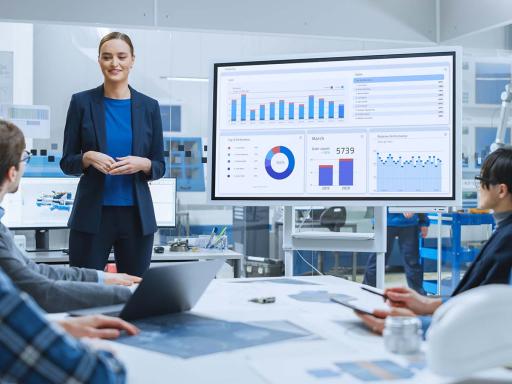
(376, 127)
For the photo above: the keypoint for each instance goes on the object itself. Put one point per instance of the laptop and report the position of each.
(163, 290)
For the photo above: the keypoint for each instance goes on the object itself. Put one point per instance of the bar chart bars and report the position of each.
(325, 175)
(305, 108)
(346, 172)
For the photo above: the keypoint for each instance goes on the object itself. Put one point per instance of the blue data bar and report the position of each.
(311, 107)
(233, 110)
(281, 109)
(262, 112)
(291, 111)
(243, 107)
(321, 108)
(301, 111)
(253, 115)
(341, 111)
(272, 111)
(331, 109)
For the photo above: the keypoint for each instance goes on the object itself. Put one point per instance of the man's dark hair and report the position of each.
(497, 169)
(12, 144)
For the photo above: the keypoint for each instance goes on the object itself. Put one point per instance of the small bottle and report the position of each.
(402, 334)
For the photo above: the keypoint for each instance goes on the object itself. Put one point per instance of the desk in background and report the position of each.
(236, 258)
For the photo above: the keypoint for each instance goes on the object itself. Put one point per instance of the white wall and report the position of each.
(18, 38)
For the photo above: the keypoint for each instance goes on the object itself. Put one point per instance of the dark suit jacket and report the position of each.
(493, 263)
(85, 131)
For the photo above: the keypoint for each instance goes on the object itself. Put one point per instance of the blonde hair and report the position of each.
(116, 35)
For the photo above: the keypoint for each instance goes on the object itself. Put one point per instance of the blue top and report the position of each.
(399, 220)
(32, 350)
(118, 122)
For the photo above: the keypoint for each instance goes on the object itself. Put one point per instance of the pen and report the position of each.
(385, 297)
(219, 236)
(211, 237)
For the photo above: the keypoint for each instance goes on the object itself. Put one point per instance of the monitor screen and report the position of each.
(163, 193)
(354, 128)
(40, 203)
(47, 202)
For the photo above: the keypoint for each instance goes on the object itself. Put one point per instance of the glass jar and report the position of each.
(402, 334)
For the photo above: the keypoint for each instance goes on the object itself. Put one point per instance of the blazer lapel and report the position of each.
(137, 123)
(98, 115)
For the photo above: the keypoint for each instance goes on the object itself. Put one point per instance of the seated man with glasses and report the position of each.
(54, 288)
(491, 266)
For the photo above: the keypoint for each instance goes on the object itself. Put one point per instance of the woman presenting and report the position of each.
(113, 140)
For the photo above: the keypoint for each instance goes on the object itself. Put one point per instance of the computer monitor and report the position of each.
(47, 202)
(163, 193)
(40, 203)
(370, 128)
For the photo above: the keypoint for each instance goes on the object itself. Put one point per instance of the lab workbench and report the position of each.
(58, 257)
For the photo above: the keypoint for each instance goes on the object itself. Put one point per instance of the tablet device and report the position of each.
(352, 304)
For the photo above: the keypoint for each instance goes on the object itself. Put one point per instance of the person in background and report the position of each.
(34, 350)
(407, 227)
(493, 263)
(54, 288)
(113, 139)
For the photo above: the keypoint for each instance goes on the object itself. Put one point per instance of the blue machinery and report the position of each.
(452, 251)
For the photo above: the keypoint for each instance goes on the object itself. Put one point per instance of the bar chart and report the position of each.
(318, 108)
(336, 162)
(345, 173)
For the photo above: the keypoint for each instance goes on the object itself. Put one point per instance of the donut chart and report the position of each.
(268, 162)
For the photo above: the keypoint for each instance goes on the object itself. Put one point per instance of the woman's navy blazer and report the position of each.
(85, 131)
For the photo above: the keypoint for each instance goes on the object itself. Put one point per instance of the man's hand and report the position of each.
(98, 160)
(424, 232)
(97, 326)
(401, 297)
(129, 165)
(408, 215)
(377, 321)
(120, 279)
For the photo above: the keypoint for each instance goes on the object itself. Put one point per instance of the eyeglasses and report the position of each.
(484, 181)
(26, 157)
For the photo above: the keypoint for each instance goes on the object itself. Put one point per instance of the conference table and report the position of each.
(302, 337)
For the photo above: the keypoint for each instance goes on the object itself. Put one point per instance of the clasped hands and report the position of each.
(126, 165)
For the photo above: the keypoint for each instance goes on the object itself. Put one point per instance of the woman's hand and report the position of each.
(129, 165)
(98, 160)
(401, 297)
(377, 321)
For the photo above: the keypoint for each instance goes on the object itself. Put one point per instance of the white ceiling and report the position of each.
(420, 21)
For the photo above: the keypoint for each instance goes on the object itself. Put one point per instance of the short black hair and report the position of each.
(497, 169)
(12, 144)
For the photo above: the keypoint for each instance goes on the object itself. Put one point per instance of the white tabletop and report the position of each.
(338, 336)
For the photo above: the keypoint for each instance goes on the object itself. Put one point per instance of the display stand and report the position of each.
(336, 241)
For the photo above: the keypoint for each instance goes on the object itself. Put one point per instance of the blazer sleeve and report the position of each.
(58, 295)
(499, 265)
(71, 162)
(157, 145)
(61, 272)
